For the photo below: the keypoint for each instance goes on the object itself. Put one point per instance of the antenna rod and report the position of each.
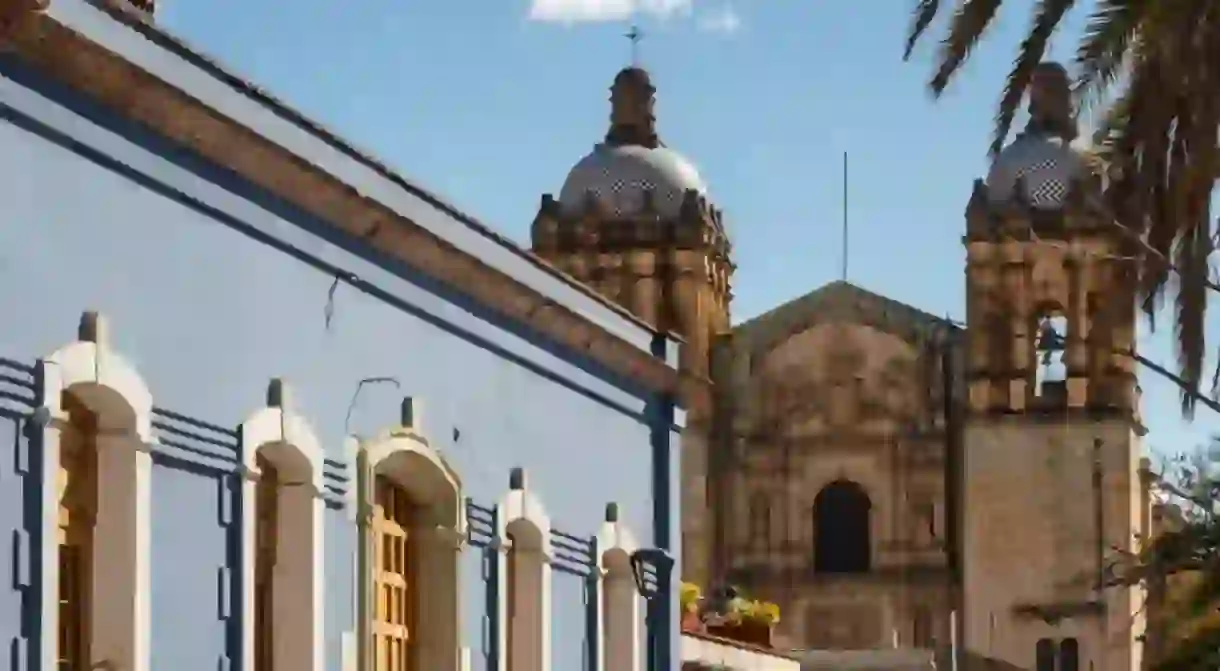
(843, 261)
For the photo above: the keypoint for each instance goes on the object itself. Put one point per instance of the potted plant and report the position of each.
(690, 596)
(725, 622)
(758, 620)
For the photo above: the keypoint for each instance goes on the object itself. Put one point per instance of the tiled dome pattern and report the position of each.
(1047, 167)
(620, 176)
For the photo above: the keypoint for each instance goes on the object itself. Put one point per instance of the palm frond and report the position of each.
(925, 12)
(1190, 306)
(1105, 45)
(969, 23)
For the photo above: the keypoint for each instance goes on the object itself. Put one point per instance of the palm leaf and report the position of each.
(1105, 45)
(925, 11)
(969, 23)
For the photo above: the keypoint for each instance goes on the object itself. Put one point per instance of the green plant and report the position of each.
(761, 612)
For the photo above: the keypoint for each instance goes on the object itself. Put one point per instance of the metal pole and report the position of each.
(363, 601)
(660, 604)
(651, 642)
(665, 612)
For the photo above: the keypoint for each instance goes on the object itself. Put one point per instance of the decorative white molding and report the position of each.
(619, 601)
(122, 587)
(287, 440)
(525, 530)
(404, 456)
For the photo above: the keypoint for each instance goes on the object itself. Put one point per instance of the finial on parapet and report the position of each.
(544, 231)
(94, 328)
(410, 414)
(549, 206)
(279, 394)
(978, 210)
(517, 478)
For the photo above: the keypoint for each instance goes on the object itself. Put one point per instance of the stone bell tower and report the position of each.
(634, 221)
(1052, 450)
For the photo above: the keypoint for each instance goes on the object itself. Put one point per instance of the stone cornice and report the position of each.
(841, 302)
(131, 92)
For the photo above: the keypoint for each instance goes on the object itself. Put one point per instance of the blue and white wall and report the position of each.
(212, 290)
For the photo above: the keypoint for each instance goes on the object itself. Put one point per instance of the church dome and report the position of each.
(1045, 165)
(619, 177)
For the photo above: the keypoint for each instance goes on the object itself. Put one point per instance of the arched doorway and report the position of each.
(841, 530)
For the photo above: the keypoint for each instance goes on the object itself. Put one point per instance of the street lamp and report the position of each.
(661, 561)
(658, 600)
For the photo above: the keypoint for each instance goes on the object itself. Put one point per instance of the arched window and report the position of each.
(1044, 655)
(841, 529)
(413, 537)
(1049, 344)
(282, 562)
(760, 519)
(396, 607)
(77, 487)
(1069, 655)
(287, 563)
(265, 511)
(96, 590)
(922, 635)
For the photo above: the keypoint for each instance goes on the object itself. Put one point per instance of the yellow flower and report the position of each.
(764, 612)
(689, 595)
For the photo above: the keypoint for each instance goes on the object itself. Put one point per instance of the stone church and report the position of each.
(885, 475)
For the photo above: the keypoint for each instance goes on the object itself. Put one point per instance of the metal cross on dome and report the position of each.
(635, 35)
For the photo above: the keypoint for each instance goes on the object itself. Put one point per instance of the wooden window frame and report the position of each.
(395, 564)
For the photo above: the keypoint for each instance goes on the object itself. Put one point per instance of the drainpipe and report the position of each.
(363, 575)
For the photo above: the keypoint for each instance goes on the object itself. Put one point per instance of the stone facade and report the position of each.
(878, 471)
(839, 451)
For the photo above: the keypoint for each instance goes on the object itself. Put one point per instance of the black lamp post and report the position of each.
(658, 598)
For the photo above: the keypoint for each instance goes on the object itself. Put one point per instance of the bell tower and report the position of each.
(1052, 441)
(634, 222)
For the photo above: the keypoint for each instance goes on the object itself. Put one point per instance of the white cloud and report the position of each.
(723, 21)
(578, 11)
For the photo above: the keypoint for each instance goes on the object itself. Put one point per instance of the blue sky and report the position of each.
(490, 102)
